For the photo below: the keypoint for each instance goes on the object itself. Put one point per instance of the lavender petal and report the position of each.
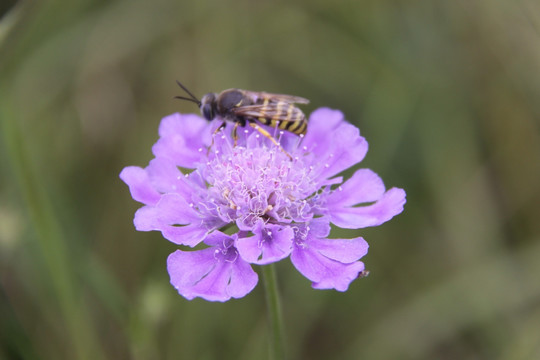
(388, 206)
(139, 185)
(175, 218)
(325, 273)
(183, 139)
(210, 275)
(364, 186)
(269, 244)
(333, 156)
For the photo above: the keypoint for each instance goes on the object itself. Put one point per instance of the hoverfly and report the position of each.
(249, 107)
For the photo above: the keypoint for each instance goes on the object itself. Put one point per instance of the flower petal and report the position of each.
(189, 235)
(326, 125)
(191, 272)
(324, 272)
(165, 177)
(348, 151)
(389, 205)
(218, 239)
(322, 122)
(339, 276)
(139, 185)
(342, 250)
(150, 218)
(173, 210)
(317, 228)
(364, 186)
(243, 279)
(210, 274)
(328, 263)
(183, 139)
(269, 244)
(188, 267)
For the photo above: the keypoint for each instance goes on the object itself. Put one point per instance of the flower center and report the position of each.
(259, 181)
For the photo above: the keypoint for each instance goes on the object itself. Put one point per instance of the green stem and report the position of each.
(277, 350)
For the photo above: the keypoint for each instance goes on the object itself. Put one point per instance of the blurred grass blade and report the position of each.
(8, 21)
(51, 241)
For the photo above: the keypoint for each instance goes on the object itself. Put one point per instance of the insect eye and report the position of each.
(208, 112)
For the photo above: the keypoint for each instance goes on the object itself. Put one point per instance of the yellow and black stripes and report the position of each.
(284, 115)
(274, 110)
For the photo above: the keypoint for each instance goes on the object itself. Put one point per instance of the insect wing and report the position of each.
(268, 111)
(276, 97)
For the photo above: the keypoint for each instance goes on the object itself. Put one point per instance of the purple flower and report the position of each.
(273, 206)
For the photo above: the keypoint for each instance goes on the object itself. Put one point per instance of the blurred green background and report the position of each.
(447, 93)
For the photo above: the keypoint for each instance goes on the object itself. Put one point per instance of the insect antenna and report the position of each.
(188, 99)
(193, 97)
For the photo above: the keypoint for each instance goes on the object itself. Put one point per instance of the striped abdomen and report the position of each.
(283, 115)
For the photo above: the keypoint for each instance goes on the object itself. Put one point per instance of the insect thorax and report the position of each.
(229, 99)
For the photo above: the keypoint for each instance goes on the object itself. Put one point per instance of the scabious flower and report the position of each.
(249, 203)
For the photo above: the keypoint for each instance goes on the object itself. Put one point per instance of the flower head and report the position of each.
(277, 201)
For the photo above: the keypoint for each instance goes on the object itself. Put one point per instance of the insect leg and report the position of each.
(234, 133)
(267, 134)
(222, 126)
